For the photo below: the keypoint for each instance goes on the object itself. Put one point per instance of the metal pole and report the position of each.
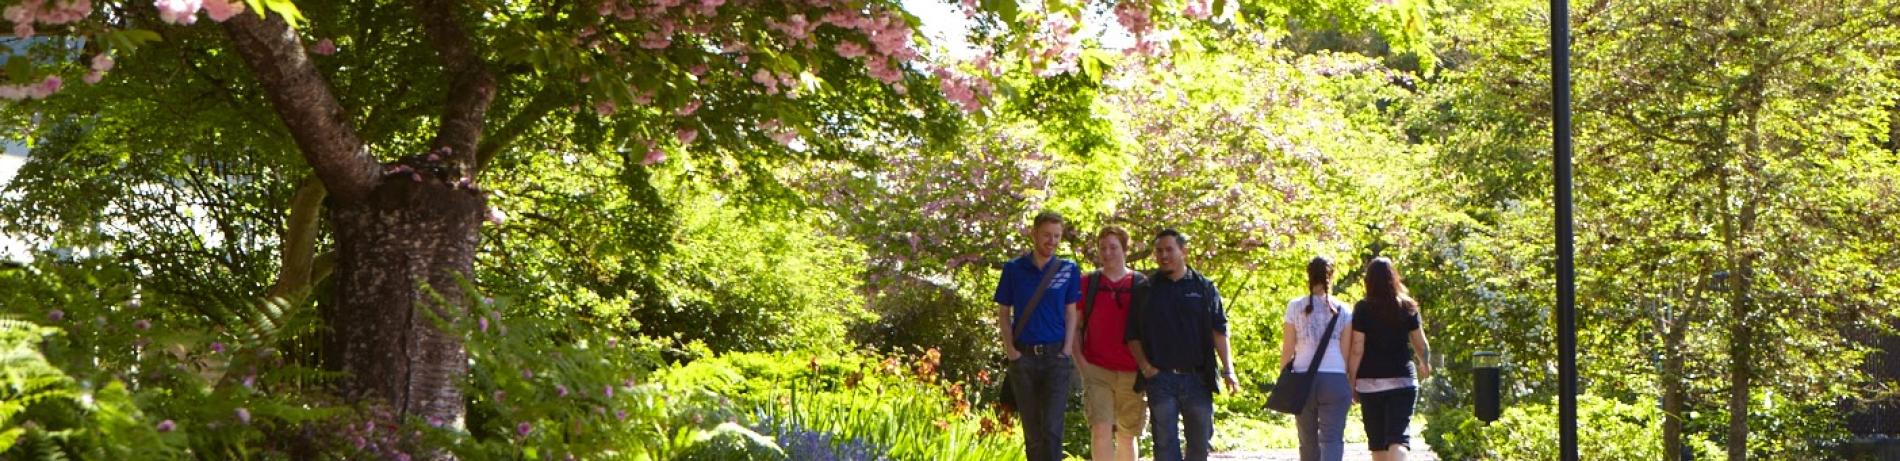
(1566, 258)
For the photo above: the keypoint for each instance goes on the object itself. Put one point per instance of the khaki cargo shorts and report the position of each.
(1108, 396)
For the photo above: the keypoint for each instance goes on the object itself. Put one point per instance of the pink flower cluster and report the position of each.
(46, 87)
(795, 27)
(1133, 16)
(1197, 10)
(186, 11)
(775, 82)
(779, 132)
(324, 47)
(1063, 49)
(968, 92)
(101, 63)
(29, 12)
(889, 37)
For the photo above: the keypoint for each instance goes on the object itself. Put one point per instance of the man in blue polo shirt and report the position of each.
(1177, 331)
(1037, 338)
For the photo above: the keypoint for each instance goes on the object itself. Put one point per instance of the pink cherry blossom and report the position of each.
(102, 62)
(654, 156)
(656, 40)
(23, 30)
(1197, 10)
(604, 108)
(688, 109)
(220, 10)
(324, 47)
(178, 11)
(849, 49)
(687, 135)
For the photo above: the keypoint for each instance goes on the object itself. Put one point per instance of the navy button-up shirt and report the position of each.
(1175, 320)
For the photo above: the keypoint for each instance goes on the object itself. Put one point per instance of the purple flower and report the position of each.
(607, 390)
(620, 414)
(217, 347)
(56, 315)
(524, 428)
(560, 390)
(166, 426)
(244, 416)
(142, 324)
(250, 381)
(527, 373)
(483, 322)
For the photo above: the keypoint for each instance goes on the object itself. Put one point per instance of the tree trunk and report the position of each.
(1740, 366)
(405, 234)
(1673, 395)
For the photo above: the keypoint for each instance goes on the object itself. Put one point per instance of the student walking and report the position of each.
(1033, 297)
(1115, 410)
(1309, 319)
(1177, 329)
(1388, 358)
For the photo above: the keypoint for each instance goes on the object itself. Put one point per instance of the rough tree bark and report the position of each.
(392, 236)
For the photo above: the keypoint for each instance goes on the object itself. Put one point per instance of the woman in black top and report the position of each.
(1382, 366)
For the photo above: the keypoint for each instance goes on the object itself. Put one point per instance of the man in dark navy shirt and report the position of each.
(1177, 330)
(1039, 366)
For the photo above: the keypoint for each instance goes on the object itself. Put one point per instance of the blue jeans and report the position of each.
(1042, 384)
(1176, 400)
(1323, 423)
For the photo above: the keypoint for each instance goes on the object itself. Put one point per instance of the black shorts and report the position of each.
(1386, 415)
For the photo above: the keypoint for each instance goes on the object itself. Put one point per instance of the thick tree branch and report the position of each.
(307, 105)
(300, 242)
(543, 102)
(471, 84)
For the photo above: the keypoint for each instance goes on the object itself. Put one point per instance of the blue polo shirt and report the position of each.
(1020, 277)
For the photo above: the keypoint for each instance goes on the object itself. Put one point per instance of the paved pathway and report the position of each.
(1352, 453)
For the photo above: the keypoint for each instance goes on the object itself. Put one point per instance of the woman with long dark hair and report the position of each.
(1311, 320)
(1387, 359)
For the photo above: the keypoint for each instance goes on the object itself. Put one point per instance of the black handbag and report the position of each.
(1292, 389)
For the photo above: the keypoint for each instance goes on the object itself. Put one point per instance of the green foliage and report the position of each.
(897, 406)
(1606, 429)
(732, 442)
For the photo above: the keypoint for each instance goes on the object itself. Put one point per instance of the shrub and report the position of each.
(1606, 429)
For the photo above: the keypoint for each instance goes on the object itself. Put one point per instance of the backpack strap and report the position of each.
(1093, 282)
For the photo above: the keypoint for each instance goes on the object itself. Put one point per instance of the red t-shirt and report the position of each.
(1102, 345)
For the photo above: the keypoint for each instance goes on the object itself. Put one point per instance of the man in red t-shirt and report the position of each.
(1115, 411)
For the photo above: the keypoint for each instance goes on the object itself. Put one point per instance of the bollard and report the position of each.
(1486, 369)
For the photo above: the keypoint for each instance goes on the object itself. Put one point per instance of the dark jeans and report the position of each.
(1387, 414)
(1176, 400)
(1042, 384)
